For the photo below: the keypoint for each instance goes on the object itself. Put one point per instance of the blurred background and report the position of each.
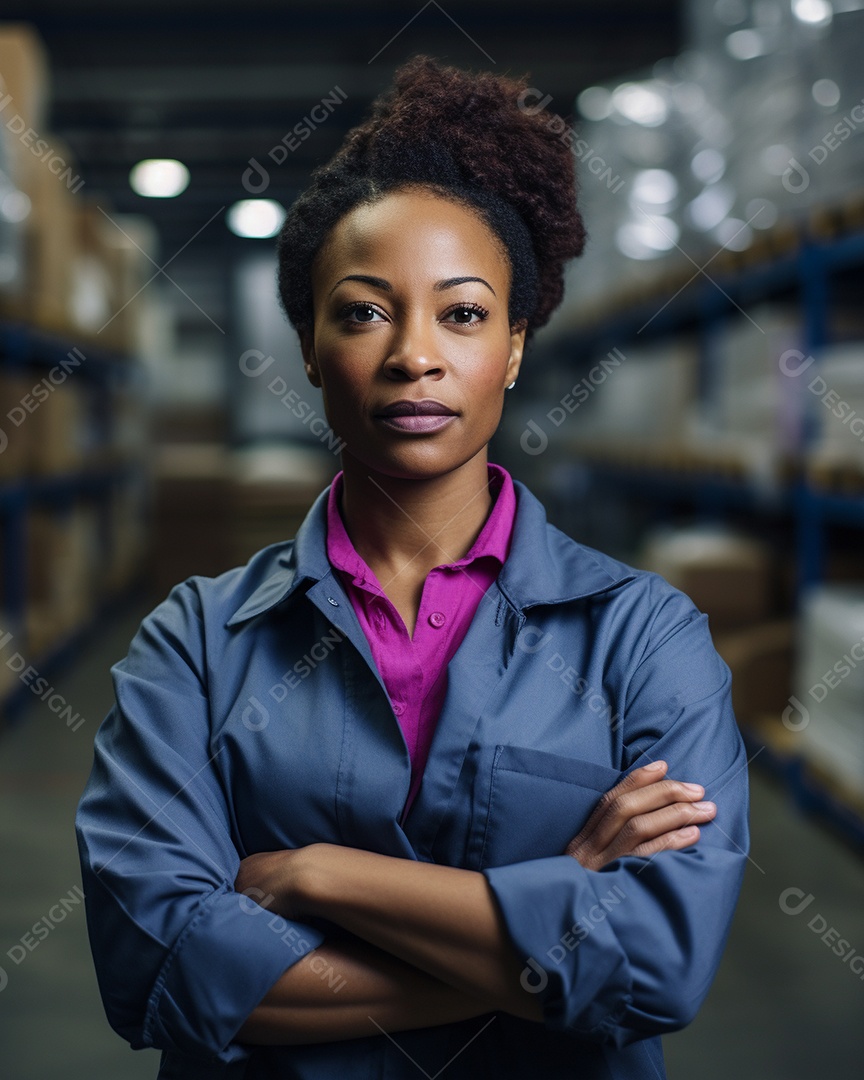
(695, 407)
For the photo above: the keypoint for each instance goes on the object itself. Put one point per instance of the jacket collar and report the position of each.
(545, 566)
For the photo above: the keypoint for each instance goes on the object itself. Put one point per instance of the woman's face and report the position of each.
(410, 298)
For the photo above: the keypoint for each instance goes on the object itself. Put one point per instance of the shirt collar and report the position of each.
(544, 566)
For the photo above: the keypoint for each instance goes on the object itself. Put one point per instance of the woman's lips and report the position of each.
(416, 423)
(416, 417)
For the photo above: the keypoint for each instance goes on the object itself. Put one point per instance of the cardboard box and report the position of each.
(191, 514)
(14, 436)
(727, 576)
(50, 247)
(271, 493)
(761, 660)
(63, 557)
(24, 95)
(130, 536)
(131, 248)
(91, 294)
(59, 431)
(44, 630)
(44, 542)
(130, 424)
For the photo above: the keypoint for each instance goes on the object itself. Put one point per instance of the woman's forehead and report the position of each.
(401, 225)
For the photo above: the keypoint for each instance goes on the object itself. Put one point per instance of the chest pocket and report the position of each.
(538, 802)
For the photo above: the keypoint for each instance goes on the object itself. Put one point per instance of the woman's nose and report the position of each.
(414, 352)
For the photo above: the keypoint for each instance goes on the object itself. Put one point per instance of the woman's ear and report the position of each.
(310, 363)
(517, 347)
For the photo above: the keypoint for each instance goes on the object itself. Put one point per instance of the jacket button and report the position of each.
(330, 600)
(437, 618)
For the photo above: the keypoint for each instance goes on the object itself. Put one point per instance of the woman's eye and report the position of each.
(360, 313)
(466, 314)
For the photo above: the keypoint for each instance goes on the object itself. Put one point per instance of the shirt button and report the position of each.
(398, 708)
(437, 619)
(330, 600)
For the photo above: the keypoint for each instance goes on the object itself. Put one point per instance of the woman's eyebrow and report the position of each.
(382, 283)
(379, 283)
(448, 283)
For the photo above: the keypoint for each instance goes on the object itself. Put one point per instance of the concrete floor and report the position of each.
(783, 1005)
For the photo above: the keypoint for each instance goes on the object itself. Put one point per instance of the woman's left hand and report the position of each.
(272, 879)
(643, 814)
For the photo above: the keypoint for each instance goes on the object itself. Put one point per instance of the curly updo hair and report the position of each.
(469, 138)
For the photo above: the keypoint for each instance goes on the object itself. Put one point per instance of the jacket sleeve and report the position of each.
(630, 951)
(181, 958)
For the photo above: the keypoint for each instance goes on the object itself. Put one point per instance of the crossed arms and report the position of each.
(428, 944)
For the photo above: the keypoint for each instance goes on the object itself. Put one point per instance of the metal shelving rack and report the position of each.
(799, 263)
(26, 349)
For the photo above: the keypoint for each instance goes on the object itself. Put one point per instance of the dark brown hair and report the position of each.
(471, 138)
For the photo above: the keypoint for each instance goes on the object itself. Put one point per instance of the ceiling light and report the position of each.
(256, 219)
(655, 187)
(159, 178)
(817, 12)
(640, 103)
(647, 239)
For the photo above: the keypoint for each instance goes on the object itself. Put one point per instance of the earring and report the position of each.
(512, 384)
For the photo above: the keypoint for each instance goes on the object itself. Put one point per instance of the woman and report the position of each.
(395, 797)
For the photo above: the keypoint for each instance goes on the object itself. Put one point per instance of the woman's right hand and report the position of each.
(643, 814)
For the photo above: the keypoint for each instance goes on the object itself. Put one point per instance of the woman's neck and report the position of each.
(410, 526)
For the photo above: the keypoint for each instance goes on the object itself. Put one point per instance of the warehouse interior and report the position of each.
(695, 407)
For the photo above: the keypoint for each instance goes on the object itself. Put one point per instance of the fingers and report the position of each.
(646, 835)
(638, 778)
(672, 841)
(642, 791)
(643, 814)
(672, 827)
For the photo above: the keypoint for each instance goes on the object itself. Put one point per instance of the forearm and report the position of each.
(348, 989)
(440, 919)
(444, 920)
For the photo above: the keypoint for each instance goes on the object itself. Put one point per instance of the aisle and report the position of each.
(51, 1019)
(783, 1006)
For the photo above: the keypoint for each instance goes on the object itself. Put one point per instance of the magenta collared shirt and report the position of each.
(414, 671)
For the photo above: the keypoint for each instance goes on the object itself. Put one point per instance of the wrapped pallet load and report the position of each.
(829, 683)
